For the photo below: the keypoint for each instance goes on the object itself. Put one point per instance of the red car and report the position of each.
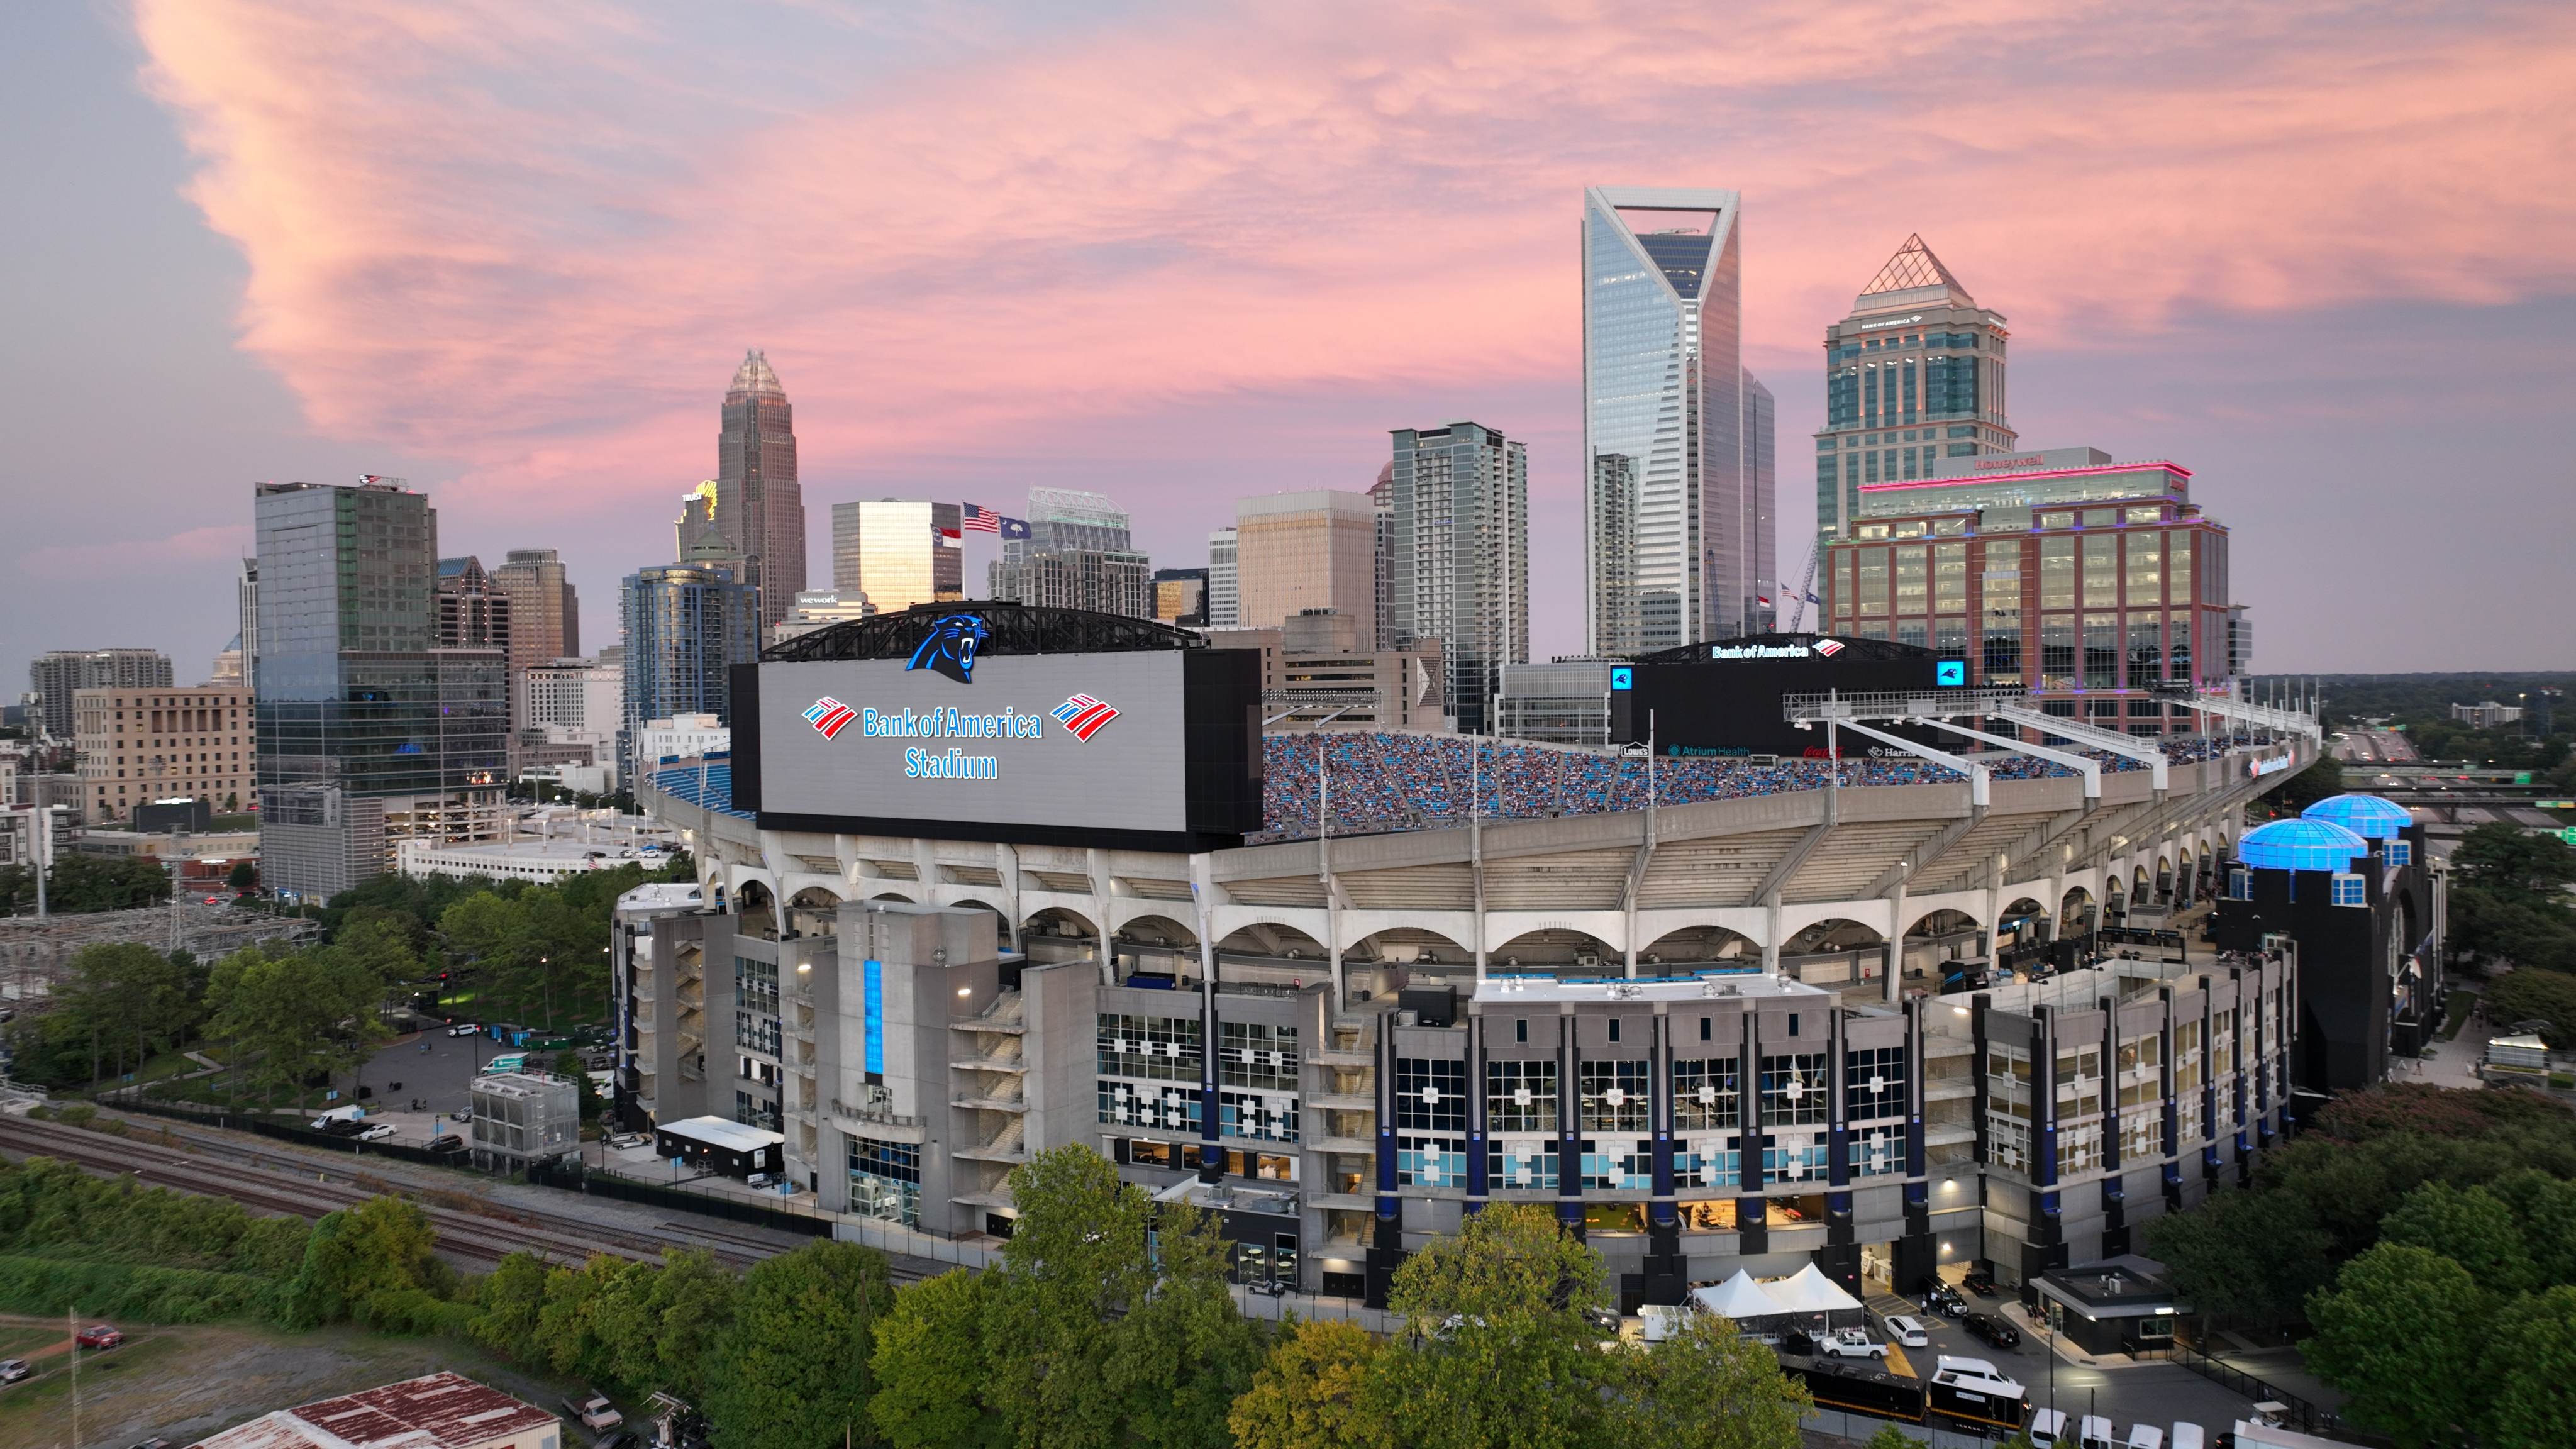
(99, 1335)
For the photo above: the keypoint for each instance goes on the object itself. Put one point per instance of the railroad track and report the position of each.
(486, 1236)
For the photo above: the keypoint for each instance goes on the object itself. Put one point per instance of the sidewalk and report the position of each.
(2071, 1353)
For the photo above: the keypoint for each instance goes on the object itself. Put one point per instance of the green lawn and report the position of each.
(2462, 1003)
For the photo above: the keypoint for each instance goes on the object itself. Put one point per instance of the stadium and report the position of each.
(1721, 1012)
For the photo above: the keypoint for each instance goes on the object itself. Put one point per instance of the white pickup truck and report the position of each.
(595, 1412)
(1850, 1343)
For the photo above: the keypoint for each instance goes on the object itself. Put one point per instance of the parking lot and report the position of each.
(2154, 1392)
(421, 1079)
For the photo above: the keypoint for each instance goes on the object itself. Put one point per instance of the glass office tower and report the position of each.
(1679, 503)
(686, 627)
(1914, 374)
(1458, 557)
(368, 730)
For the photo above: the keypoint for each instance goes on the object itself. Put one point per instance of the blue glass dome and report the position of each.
(2367, 816)
(2300, 845)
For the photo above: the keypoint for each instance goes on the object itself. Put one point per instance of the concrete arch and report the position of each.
(1062, 923)
(1275, 939)
(2075, 914)
(894, 896)
(756, 903)
(1555, 947)
(1834, 933)
(1691, 945)
(1154, 929)
(1406, 945)
(1944, 921)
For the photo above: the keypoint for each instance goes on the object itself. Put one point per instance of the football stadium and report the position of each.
(980, 880)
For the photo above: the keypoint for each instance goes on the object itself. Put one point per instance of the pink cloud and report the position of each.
(136, 558)
(533, 238)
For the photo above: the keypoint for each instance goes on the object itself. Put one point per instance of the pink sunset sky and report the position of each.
(2323, 254)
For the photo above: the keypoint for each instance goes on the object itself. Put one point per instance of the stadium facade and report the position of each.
(1700, 1012)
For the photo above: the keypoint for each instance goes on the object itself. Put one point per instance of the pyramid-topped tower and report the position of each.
(758, 504)
(1913, 377)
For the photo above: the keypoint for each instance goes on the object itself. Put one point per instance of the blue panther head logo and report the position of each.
(951, 647)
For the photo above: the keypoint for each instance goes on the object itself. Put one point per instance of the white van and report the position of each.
(2189, 1436)
(2095, 1433)
(349, 1113)
(2146, 1436)
(2048, 1428)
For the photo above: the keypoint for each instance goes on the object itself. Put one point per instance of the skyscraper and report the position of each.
(473, 612)
(758, 503)
(1460, 557)
(1300, 551)
(685, 628)
(897, 552)
(1916, 372)
(1678, 512)
(368, 730)
(545, 612)
(53, 675)
(1077, 556)
(1222, 612)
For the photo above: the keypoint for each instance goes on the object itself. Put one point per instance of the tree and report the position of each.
(2532, 994)
(661, 1325)
(2530, 1388)
(1707, 1387)
(295, 1013)
(121, 1003)
(1311, 1393)
(568, 1064)
(1495, 1349)
(368, 1262)
(930, 1369)
(2472, 1228)
(1109, 1322)
(243, 877)
(2503, 861)
(2400, 1333)
(792, 1371)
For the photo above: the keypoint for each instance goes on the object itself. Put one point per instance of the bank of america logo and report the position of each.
(1082, 716)
(828, 715)
(1829, 647)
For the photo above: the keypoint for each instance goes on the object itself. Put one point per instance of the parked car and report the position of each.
(1796, 1341)
(595, 1411)
(1991, 1329)
(624, 1140)
(13, 1369)
(344, 1127)
(2047, 1428)
(98, 1335)
(1979, 1282)
(155, 1442)
(1851, 1343)
(378, 1133)
(447, 1142)
(462, 1028)
(214, 900)
(1908, 1332)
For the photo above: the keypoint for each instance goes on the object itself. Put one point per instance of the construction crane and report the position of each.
(1806, 589)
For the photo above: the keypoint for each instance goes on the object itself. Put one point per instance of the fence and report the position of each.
(625, 1189)
(300, 1136)
(2298, 1413)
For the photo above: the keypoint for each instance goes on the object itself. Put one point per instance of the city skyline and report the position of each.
(2278, 304)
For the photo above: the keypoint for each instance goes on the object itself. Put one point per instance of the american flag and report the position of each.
(1082, 716)
(981, 520)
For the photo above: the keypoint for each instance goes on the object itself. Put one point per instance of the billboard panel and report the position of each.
(1138, 747)
(1724, 698)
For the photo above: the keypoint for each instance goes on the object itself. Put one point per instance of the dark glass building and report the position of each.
(686, 626)
(368, 730)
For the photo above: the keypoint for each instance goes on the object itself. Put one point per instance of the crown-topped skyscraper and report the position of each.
(1916, 372)
(758, 504)
(1679, 489)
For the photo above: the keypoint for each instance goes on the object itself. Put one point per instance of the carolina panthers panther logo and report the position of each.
(951, 647)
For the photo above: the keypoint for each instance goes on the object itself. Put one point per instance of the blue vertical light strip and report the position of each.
(875, 1007)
